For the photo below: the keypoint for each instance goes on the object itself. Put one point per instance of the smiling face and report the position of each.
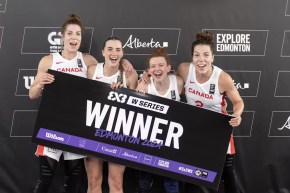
(113, 53)
(202, 59)
(72, 38)
(158, 68)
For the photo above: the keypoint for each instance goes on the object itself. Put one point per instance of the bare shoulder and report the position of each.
(180, 84)
(89, 60)
(45, 63)
(225, 77)
(91, 70)
(182, 70)
(225, 81)
(179, 80)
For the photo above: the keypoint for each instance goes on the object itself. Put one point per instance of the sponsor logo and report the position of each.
(54, 38)
(147, 159)
(3, 4)
(163, 163)
(241, 86)
(283, 79)
(82, 143)
(48, 40)
(232, 42)
(24, 81)
(191, 82)
(126, 154)
(246, 82)
(114, 96)
(98, 77)
(201, 173)
(142, 41)
(53, 136)
(286, 124)
(137, 43)
(111, 151)
(28, 81)
(59, 62)
(280, 124)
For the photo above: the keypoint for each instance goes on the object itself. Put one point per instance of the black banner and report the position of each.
(146, 132)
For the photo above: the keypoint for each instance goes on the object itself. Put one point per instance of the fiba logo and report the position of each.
(28, 81)
(54, 38)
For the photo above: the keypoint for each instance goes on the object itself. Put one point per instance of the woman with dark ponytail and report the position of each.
(204, 77)
(69, 58)
(111, 72)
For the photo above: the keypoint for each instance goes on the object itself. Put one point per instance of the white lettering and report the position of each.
(95, 114)
(132, 124)
(53, 136)
(136, 43)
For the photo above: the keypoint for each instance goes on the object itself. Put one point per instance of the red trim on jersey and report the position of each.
(39, 150)
(223, 104)
(232, 146)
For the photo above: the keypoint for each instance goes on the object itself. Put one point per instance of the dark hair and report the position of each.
(72, 19)
(203, 38)
(120, 65)
(111, 38)
(158, 52)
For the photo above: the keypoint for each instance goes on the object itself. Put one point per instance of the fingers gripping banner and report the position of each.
(141, 131)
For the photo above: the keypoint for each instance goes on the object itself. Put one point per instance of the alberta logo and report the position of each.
(280, 124)
(142, 41)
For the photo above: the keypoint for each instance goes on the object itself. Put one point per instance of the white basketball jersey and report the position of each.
(75, 66)
(205, 95)
(99, 76)
(171, 93)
